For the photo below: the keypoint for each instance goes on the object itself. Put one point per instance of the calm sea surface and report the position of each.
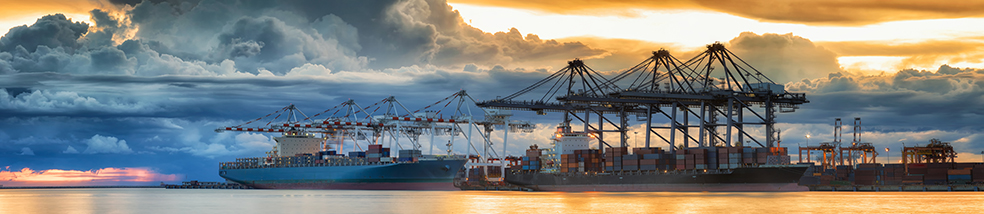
(333, 201)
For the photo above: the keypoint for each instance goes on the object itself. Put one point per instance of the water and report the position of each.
(333, 201)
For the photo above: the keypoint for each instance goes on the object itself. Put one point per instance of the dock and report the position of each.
(205, 185)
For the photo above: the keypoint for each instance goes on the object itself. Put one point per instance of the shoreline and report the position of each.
(77, 187)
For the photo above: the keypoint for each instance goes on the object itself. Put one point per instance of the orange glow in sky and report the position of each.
(694, 28)
(99, 177)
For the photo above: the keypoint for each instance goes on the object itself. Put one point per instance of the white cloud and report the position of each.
(70, 150)
(223, 144)
(308, 70)
(62, 101)
(26, 151)
(106, 144)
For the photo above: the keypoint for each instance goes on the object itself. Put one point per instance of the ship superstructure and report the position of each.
(295, 142)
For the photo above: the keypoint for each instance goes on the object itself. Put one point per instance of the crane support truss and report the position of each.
(863, 151)
(710, 100)
(351, 122)
(828, 155)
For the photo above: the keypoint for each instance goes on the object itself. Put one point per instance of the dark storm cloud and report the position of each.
(946, 99)
(392, 33)
(254, 37)
(106, 27)
(51, 30)
(149, 88)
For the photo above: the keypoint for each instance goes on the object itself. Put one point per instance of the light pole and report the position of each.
(888, 156)
(809, 152)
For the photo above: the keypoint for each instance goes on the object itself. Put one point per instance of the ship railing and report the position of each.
(303, 161)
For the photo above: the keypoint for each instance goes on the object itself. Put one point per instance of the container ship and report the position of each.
(299, 162)
(570, 166)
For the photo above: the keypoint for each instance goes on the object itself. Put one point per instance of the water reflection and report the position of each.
(328, 201)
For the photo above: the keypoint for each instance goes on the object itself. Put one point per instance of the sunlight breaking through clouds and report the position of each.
(105, 176)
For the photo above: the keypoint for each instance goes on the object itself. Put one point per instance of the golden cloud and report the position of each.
(586, 7)
(32, 8)
(105, 176)
(816, 12)
(886, 48)
(625, 53)
(928, 53)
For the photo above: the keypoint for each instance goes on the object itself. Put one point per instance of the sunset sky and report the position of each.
(135, 89)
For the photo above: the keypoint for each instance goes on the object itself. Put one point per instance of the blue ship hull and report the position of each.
(421, 175)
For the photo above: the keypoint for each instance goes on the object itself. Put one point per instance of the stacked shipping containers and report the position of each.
(585, 160)
(693, 158)
(868, 174)
(728, 157)
(915, 175)
(935, 174)
(613, 158)
(977, 174)
(958, 176)
(532, 159)
(650, 159)
(894, 174)
(377, 153)
(409, 155)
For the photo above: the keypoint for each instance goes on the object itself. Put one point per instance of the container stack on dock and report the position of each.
(930, 174)
(959, 176)
(935, 174)
(894, 174)
(977, 174)
(915, 175)
(868, 174)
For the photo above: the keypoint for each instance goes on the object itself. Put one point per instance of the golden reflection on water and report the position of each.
(703, 202)
(336, 201)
